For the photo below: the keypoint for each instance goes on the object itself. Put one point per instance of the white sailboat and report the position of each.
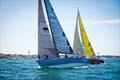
(51, 46)
(83, 45)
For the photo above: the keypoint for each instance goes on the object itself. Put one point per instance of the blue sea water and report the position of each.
(28, 69)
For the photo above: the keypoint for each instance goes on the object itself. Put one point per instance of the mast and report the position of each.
(45, 42)
(88, 50)
(59, 38)
(77, 45)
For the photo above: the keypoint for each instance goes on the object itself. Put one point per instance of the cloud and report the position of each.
(112, 21)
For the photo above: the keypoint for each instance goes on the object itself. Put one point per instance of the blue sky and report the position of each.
(101, 18)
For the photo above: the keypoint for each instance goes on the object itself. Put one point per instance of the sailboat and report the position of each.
(54, 50)
(84, 48)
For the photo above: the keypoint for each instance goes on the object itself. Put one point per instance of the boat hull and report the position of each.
(63, 62)
(96, 60)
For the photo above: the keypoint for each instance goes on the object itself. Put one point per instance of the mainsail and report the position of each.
(86, 43)
(77, 45)
(45, 43)
(59, 38)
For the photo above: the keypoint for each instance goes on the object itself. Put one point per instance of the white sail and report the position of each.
(45, 42)
(59, 38)
(77, 45)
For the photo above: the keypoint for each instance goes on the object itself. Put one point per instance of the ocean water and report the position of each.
(28, 69)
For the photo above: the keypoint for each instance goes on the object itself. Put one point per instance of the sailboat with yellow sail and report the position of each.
(84, 48)
(54, 49)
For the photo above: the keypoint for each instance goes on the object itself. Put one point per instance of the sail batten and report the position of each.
(60, 40)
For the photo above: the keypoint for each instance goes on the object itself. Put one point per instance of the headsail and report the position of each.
(59, 38)
(86, 43)
(45, 43)
(77, 45)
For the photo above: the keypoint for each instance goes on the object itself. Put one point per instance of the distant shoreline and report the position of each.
(20, 56)
(17, 56)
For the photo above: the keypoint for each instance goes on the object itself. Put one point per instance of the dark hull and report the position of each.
(96, 60)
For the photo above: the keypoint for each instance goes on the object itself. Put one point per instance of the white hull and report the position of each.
(70, 65)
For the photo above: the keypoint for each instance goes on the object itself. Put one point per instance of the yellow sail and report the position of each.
(88, 50)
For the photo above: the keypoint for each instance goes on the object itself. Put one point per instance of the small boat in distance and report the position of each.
(82, 45)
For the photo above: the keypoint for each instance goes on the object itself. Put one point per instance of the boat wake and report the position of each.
(81, 67)
(38, 67)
